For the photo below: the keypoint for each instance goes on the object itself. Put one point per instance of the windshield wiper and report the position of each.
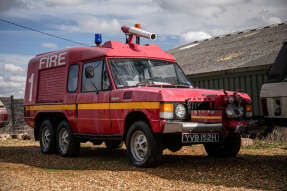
(184, 84)
(148, 81)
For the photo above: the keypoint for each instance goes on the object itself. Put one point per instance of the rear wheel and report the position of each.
(114, 144)
(229, 147)
(68, 145)
(144, 148)
(48, 137)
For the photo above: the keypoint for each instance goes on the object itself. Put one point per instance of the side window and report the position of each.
(107, 85)
(73, 78)
(92, 76)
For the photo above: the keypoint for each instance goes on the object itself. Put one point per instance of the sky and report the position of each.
(175, 22)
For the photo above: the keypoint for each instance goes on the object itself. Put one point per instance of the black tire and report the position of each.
(229, 147)
(68, 145)
(153, 148)
(47, 138)
(114, 144)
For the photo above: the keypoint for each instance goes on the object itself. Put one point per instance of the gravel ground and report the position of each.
(259, 167)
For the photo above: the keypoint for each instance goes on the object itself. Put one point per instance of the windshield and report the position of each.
(137, 72)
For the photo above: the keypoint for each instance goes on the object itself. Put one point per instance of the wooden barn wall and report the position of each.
(249, 82)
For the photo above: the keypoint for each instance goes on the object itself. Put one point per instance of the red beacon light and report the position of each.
(138, 32)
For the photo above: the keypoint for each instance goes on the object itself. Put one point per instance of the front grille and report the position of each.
(200, 106)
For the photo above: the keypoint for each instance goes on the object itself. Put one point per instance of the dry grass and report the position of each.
(23, 167)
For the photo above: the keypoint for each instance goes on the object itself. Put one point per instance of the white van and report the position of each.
(273, 93)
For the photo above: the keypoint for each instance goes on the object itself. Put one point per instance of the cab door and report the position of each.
(70, 97)
(93, 100)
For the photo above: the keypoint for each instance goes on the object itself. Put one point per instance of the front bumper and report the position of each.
(179, 127)
(236, 126)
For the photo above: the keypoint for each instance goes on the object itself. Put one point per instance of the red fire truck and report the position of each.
(126, 92)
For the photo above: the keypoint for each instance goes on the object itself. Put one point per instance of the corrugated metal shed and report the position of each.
(234, 61)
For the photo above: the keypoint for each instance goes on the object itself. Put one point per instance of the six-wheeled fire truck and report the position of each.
(128, 93)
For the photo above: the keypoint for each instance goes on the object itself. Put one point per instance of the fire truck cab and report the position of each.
(132, 93)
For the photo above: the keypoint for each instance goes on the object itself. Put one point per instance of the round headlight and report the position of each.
(229, 110)
(180, 111)
(241, 111)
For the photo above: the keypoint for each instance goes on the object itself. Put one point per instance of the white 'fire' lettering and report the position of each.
(52, 61)
(61, 59)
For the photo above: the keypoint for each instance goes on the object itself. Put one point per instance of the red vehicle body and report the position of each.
(66, 105)
(3, 115)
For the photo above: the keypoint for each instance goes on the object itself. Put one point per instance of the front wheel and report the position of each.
(68, 145)
(144, 148)
(229, 147)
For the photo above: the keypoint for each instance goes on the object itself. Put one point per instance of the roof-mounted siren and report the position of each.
(98, 39)
(137, 32)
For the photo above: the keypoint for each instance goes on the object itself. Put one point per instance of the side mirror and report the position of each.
(189, 84)
(89, 72)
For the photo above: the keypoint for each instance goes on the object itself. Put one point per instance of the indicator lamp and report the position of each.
(98, 39)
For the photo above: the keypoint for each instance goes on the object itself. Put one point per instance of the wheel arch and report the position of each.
(133, 117)
(54, 117)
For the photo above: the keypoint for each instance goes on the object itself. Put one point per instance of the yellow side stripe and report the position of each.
(135, 105)
(94, 106)
(206, 117)
(127, 105)
(51, 107)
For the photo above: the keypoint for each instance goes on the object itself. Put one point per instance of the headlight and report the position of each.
(180, 111)
(240, 112)
(233, 111)
(229, 110)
